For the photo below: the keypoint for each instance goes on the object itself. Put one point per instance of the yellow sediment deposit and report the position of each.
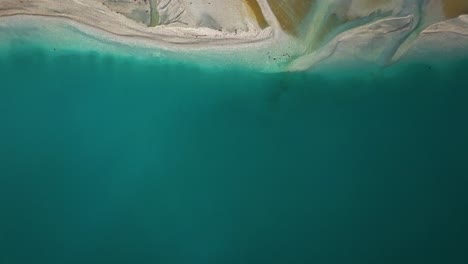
(291, 13)
(454, 8)
(256, 11)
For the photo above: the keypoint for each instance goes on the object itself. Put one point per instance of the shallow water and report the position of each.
(108, 159)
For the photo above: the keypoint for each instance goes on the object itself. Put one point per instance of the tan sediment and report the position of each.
(454, 8)
(330, 24)
(291, 13)
(255, 9)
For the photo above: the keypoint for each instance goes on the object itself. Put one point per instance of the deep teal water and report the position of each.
(105, 159)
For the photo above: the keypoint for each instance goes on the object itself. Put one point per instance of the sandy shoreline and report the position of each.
(261, 48)
(174, 42)
(384, 41)
(256, 54)
(98, 16)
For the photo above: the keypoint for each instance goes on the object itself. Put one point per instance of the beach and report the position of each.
(265, 41)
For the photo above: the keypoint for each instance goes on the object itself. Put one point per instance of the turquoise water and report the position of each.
(108, 159)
